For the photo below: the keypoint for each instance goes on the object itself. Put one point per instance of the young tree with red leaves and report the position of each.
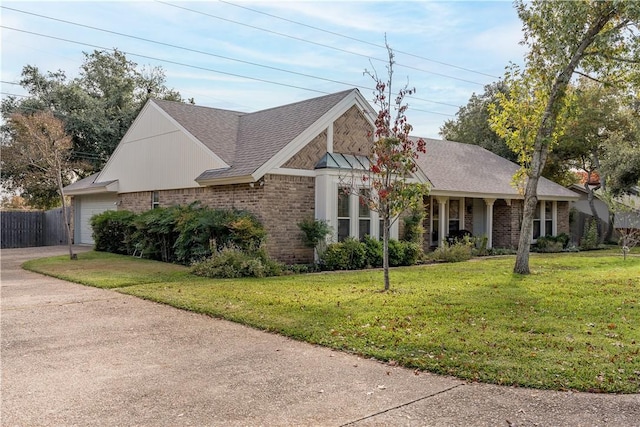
(392, 188)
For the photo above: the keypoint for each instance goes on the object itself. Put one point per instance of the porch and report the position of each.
(497, 219)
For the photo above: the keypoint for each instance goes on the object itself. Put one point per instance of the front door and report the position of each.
(479, 218)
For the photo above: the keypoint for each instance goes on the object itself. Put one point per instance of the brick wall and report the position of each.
(287, 201)
(352, 133)
(309, 156)
(280, 204)
(468, 214)
(501, 224)
(563, 218)
(135, 202)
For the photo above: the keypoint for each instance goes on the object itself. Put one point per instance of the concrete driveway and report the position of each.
(75, 355)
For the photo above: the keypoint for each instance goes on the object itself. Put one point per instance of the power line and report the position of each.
(178, 47)
(13, 94)
(316, 43)
(357, 39)
(200, 52)
(165, 60)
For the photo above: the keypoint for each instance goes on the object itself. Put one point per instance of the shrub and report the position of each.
(196, 227)
(112, 231)
(413, 228)
(314, 233)
(590, 236)
(552, 243)
(246, 231)
(396, 253)
(564, 238)
(186, 234)
(232, 262)
(548, 244)
(346, 255)
(373, 251)
(459, 251)
(480, 244)
(156, 233)
(412, 253)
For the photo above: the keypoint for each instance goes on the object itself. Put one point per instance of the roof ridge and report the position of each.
(304, 101)
(189, 105)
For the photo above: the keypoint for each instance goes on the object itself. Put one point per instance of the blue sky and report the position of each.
(261, 54)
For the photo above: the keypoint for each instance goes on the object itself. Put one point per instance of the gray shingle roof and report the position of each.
(216, 129)
(263, 133)
(457, 167)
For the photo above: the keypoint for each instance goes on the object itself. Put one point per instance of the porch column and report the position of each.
(489, 221)
(443, 221)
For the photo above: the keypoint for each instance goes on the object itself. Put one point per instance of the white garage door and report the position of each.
(86, 207)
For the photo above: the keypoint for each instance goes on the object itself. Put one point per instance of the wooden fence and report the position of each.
(22, 229)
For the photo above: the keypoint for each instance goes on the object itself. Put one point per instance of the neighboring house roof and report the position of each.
(454, 167)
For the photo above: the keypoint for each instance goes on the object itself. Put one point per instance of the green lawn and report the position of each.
(574, 323)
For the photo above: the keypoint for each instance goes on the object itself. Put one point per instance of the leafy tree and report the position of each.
(589, 37)
(41, 149)
(391, 190)
(97, 107)
(600, 124)
(471, 124)
(621, 166)
(627, 211)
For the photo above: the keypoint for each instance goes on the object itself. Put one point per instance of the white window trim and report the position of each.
(327, 188)
(155, 199)
(542, 212)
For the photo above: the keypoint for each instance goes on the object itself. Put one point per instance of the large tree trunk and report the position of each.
(594, 211)
(543, 139)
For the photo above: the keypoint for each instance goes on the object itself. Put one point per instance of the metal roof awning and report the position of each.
(343, 161)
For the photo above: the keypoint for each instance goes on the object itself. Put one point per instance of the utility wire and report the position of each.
(165, 60)
(357, 39)
(179, 47)
(317, 44)
(13, 94)
(203, 53)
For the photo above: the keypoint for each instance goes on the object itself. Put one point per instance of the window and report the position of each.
(364, 215)
(155, 200)
(344, 216)
(548, 218)
(354, 217)
(543, 219)
(537, 226)
(435, 222)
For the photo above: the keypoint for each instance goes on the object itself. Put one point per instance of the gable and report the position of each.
(270, 138)
(157, 154)
(352, 133)
(310, 154)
